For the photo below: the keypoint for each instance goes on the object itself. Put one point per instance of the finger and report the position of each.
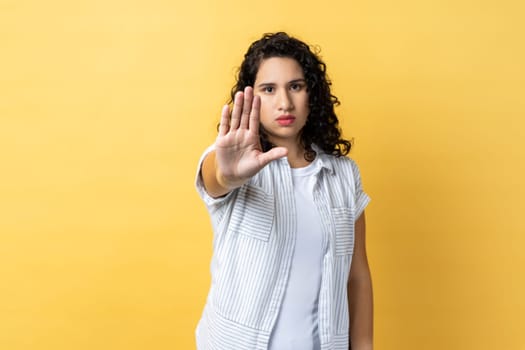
(247, 106)
(224, 125)
(254, 115)
(237, 110)
(273, 154)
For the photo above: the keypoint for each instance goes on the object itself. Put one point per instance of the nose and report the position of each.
(284, 101)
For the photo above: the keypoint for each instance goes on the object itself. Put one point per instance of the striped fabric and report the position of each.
(254, 236)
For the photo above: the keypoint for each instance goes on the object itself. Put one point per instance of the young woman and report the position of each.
(289, 266)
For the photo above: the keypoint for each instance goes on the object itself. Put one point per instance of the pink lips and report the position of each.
(285, 120)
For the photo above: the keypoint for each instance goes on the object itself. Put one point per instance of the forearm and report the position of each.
(209, 176)
(360, 303)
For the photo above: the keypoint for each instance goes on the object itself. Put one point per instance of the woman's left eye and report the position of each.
(296, 87)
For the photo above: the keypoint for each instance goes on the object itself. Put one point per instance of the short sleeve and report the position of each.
(361, 198)
(199, 184)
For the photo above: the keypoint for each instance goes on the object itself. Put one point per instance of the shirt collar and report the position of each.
(323, 159)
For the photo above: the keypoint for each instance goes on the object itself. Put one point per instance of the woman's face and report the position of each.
(282, 88)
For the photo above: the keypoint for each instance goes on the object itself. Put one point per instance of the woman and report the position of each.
(289, 266)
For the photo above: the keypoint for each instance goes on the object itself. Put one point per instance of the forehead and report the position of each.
(276, 69)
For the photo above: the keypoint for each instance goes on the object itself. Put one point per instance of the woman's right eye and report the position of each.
(268, 89)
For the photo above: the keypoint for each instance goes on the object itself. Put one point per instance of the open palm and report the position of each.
(238, 150)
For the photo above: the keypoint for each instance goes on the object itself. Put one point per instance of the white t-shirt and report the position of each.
(296, 326)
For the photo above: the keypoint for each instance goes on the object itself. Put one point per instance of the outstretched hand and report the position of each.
(238, 152)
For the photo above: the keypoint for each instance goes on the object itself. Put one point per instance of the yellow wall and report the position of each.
(106, 105)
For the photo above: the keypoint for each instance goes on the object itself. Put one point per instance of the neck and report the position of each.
(297, 161)
(295, 155)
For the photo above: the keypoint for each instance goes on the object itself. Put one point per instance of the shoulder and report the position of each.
(342, 170)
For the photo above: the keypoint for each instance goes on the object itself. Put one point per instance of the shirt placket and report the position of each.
(325, 312)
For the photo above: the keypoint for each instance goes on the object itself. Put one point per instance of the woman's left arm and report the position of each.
(360, 299)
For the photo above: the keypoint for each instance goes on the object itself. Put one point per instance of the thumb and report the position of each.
(273, 154)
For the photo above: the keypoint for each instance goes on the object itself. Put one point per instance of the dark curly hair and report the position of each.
(322, 125)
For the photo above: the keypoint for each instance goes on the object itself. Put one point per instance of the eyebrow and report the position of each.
(294, 81)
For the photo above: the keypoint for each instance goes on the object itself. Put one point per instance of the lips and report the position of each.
(285, 120)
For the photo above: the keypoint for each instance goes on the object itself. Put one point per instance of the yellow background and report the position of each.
(106, 105)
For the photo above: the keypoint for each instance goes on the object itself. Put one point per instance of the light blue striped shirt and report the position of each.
(254, 230)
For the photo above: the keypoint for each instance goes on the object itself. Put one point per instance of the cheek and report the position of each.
(305, 103)
(265, 109)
